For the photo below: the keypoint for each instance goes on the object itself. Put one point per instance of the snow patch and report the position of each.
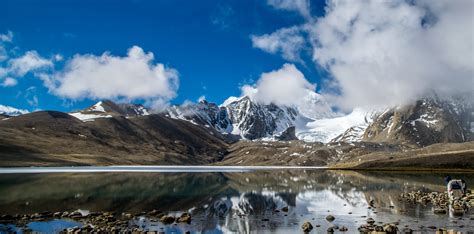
(324, 130)
(88, 117)
(98, 107)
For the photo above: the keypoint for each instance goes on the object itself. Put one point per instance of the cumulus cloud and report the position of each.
(384, 53)
(286, 86)
(30, 61)
(132, 77)
(12, 68)
(9, 82)
(8, 37)
(287, 41)
(301, 6)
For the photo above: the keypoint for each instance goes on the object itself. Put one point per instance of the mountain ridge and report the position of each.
(205, 133)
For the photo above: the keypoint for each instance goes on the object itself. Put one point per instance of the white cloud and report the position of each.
(8, 37)
(31, 97)
(301, 6)
(12, 68)
(30, 61)
(286, 41)
(286, 86)
(9, 82)
(383, 53)
(132, 77)
(386, 53)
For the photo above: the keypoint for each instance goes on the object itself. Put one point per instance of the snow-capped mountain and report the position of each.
(107, 109)
(350, 127)
(426, 122)
(11, 111)
(202, 113)
(315, 106)
(251, 120)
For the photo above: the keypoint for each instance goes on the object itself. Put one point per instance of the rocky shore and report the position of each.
(440, 201)
(111, 222)
(97, 222)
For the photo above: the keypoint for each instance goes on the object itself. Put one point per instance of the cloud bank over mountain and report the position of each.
(383, 53)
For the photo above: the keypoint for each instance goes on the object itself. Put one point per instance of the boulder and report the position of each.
(167, 219)
(307, 227)
(184, 218)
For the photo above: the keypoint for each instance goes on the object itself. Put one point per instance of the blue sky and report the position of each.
(67, 54)
(207, 42)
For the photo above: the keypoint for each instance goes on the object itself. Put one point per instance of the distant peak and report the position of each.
(12, 111)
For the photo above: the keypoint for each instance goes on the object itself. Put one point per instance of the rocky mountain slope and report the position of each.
(423, 123)
(203, 133)
(251, 120)
(56, 138)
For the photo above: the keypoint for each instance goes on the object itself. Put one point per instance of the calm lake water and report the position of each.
(232, 201)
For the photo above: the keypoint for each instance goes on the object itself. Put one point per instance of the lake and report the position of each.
(228, 200)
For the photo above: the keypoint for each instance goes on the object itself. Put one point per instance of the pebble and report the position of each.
(330, 218)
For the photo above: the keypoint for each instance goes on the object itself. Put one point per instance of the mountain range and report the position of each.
(240, 131)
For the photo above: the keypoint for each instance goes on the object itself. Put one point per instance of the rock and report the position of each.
(372, 203)
(439, 211)
(184, 218)
(370, 221)
(167, 219)
(307, 227)
(390, 229)
(154, 213)
(330, 218)
(287, 135)
(458, 212)
(284, 209)
(378, 229)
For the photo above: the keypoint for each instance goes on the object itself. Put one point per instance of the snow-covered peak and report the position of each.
(97, 107)
(232, 99)
(107, 109)
(324, 130)
(11, 111)
(315, 106)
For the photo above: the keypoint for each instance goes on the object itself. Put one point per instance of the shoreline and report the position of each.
(207, 169)
(149, 169)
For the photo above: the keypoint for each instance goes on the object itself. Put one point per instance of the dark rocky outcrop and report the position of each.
(287, 135)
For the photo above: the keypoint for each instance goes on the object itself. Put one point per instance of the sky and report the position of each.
(67, 55)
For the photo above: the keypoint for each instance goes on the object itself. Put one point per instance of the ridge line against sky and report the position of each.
(356, 53)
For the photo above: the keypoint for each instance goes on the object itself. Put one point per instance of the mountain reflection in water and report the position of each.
(234, 202)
